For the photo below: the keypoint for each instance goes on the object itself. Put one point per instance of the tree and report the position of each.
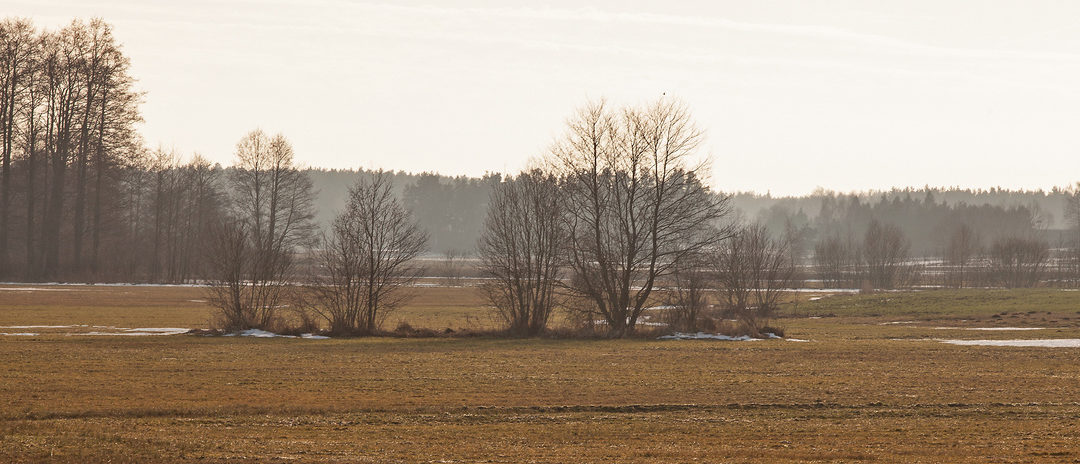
(753, 270)
(17, 48)
(453, 267)
(837, 258)
(1072, 221)
(1018, 261)
(688, 298)
(368, 259)
(271, 211)
(67, 115)
(964, 245)
(636, 204)
(520, 250)
(885, 251)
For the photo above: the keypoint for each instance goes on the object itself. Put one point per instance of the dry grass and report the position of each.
(852, 394)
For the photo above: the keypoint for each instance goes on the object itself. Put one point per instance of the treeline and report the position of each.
(83, 199)
(924, 218)
(67, 114)
(450, 209)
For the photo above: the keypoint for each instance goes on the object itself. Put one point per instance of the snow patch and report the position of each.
(1047, 343)
(161, 330)
(711, 336)
(257, 334)
(20, 334)
(897, 322)
(41, 326)
(264, 334)
(139, 332)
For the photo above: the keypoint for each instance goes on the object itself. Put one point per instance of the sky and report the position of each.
(793, 95)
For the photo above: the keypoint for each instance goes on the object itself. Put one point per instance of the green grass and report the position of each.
(945, 303)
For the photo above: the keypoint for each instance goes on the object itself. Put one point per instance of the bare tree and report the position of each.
(242, 303)
(688, 298)
(1072, 220)
(368, 259)
(452, 266)
(520, 250)
(753, 270)
(1018, 261)
(885, 251)
(636, 204)
(272, 210)
(837, 259)
(964, 245)
(17, 47)
(796, 238)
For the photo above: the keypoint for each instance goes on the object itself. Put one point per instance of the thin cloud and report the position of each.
(794, 30)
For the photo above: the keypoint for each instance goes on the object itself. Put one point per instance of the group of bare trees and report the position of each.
(880, 260)
(1072, 240)
(521, 250)
(366, 262)
(355, 274)
(753, 270)
(620, 212)
(254, 249)
(636, 205)
(67, 114)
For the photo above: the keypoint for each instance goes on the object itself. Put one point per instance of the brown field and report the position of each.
(859, 390)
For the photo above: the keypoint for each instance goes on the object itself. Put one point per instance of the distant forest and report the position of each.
(452, 210)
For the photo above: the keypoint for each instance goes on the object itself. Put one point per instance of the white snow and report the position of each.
(140, 332)
(710, 336)
(21, 334)
(822, 290)
(32, 289)
(1048, 343)
(258, 334)
(897, 322)
(813, 298)
(88, 284)
(264, 334)
(143, 331)
(161, 330)
(41, 326)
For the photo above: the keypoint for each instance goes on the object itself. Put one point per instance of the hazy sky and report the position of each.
(793, 94)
